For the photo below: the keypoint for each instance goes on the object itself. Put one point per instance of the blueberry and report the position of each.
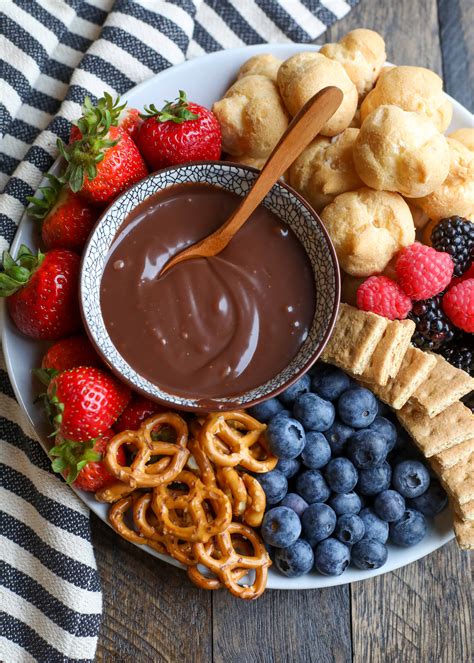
(317, 452)
(366, 448)
(312, 487)
(266, 410)
(301, 386)
(337, 437)
(331, 557)
(345, 503)
(330, 384)
(295, 560)
(275, 485)
(341, 475)
(375, 528)
(411, 478)
(432, 502)
(349, 529)
(285, 436)
(389, 505)
(386, 429)
(357, 407)
(409, 529)
(280, 527)
(314, 412)
(318, 522)
(369, 554)
(374, 480)
(295, 502)
(288, 466)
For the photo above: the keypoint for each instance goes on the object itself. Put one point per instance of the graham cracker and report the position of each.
(354, 339)
(450, 457)
(459, 480)
(443, 386)
(415, 368)
(464, 531)
(465, 511)
(388, 356)
(435, 434)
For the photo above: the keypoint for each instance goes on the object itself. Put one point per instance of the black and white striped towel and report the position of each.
(53, 53)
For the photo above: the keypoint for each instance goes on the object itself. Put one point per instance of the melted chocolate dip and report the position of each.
(209, 327)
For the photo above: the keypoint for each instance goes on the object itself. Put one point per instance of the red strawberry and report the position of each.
(138, 409)
(180, 132)
(127, 118)
(83, 402)
(42, 292)
(81, 462)
(67, 219)
(104, 160)
(130, 121)
(70, 353)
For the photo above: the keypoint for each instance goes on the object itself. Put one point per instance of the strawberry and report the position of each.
(130, 121)
(67, 219)
(103, 161)
(70, 353)
(42, 292)
(83, 402)
(180, 132)
(81, 462)
(138, 409)
(127, 118)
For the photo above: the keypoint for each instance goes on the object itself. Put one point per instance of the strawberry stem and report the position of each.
(173, 111)
(69, 457)
(40, 207)
(17, 273)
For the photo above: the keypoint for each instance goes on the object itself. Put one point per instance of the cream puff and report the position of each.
(263, 65)
(367, 229)
(304, 74)
(414, 89)
(362, 54)
(455, 196)
(252, 117)
(325, 169)
(401, 151)
(464, 136)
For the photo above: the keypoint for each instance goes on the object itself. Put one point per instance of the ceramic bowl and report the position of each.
(282, 201)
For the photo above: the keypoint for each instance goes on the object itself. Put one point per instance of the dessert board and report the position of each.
(205, 80)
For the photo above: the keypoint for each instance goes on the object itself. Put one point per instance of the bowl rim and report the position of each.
(212, 404)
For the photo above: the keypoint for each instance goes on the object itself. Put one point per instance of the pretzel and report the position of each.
(113, 492)
(245, 494)
(117, 520)
(256, 501)
(140, 473)
(198, 462)
(224, 561)
(211, 581)
(227, 439)
(203, 524)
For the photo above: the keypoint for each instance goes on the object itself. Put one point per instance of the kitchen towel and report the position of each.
(52, 54)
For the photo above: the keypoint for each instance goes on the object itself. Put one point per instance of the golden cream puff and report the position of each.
(263, 65)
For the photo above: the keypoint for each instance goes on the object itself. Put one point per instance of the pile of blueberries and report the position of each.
(348, 478)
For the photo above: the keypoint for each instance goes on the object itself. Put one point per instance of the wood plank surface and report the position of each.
(421, 613)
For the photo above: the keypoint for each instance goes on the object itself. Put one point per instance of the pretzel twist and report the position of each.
(203, 524)
(225, 560)
(227, 439)
(117, 516)
(113, 492)
(141, 473)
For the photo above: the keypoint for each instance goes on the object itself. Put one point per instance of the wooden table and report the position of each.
(421, 613)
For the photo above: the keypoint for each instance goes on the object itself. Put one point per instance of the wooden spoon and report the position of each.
(301, 131)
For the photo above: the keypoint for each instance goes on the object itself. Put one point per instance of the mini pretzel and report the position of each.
(198, 462)
(227, 439)
(141, 473)
(224, 561)
(245, 494)
(203, 524)
(117, 520)
(113, 492)
(211, 582)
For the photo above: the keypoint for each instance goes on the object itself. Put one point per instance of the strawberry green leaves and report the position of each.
(69, 457)
(173, 111)
(16, 273)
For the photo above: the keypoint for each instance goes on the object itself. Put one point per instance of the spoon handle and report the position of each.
(300, 132)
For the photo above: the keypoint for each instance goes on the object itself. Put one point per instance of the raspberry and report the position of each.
(458, 304)
(383, 296)
(422, 271)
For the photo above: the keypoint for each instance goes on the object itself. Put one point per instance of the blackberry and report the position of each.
(433, 328)
(460, 354)
(455, 236)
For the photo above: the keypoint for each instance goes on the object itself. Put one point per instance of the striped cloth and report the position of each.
(53, 53)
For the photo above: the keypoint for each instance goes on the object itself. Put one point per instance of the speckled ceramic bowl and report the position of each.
(283, 202)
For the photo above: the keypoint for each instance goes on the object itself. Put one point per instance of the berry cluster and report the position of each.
(347, 481)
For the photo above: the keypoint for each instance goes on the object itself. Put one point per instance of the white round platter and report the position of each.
(204, 79)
